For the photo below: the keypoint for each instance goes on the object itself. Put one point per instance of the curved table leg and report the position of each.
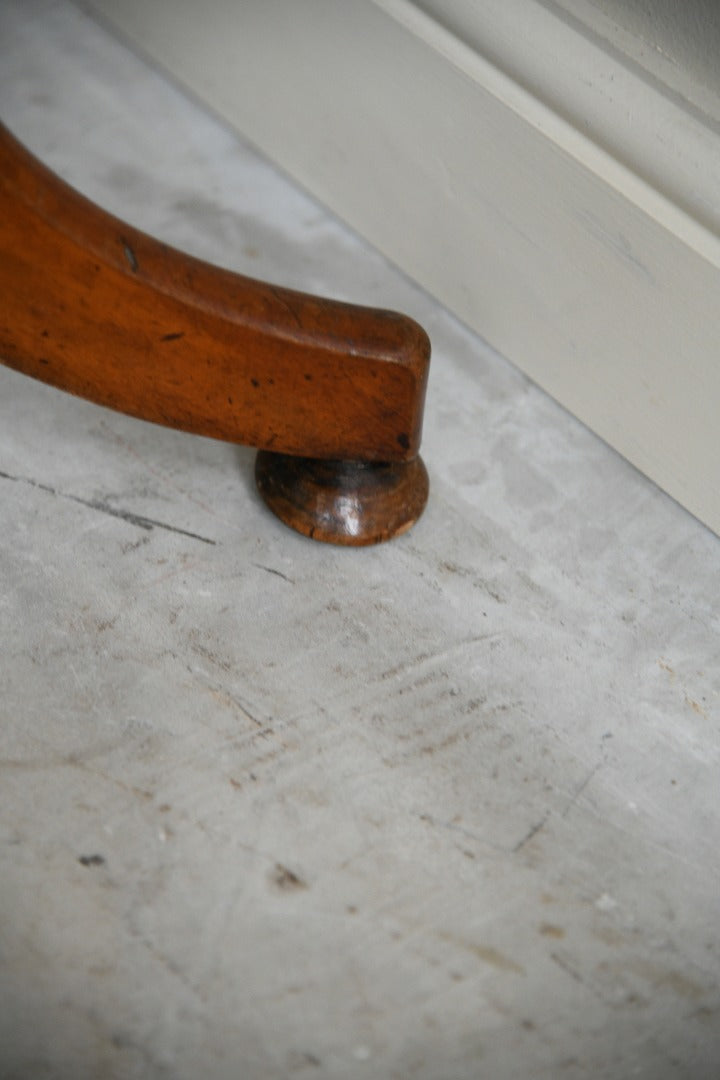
(332, 394)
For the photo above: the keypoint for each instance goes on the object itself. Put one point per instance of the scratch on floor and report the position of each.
(277, 573)
(102, 507)
(437, 655)
(567, 968)
(452, 826)
(579, 790)
(531, 833)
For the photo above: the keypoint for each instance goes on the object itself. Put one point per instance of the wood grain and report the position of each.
(97, 308)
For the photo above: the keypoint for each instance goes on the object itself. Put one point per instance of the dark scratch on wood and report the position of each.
(283, 300)
(130, 256)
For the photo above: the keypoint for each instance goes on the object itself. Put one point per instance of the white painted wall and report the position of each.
(621, 77)
(678, 41)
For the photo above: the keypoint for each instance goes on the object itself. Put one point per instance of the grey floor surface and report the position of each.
(446, 808)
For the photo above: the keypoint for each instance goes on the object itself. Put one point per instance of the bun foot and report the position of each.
(343, 502)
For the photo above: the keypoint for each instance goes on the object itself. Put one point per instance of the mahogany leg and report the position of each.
(332, 394)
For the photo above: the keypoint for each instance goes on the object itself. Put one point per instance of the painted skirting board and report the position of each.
(555, 194)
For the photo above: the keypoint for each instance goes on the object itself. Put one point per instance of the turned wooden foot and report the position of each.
(332, 394)
(343, 502)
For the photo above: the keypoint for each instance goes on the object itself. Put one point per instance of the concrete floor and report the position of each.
(443, 809)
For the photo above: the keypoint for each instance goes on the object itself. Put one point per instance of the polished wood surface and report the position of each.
(95, 307)
(343, 502)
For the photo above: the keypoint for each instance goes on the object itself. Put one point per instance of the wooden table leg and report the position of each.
(332, 394)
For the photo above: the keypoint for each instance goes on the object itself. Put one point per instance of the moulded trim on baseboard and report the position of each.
(616, 116)
(519, 197)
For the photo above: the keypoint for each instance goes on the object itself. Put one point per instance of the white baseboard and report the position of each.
(557, 196)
